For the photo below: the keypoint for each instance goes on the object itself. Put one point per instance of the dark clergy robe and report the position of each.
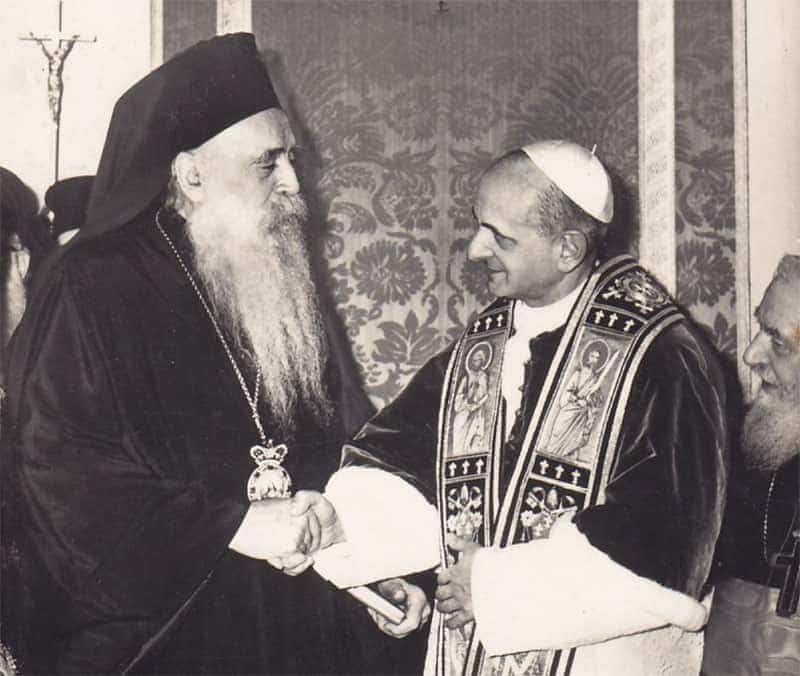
(745, 635)
(663, 502)
(126, 461)
(759, 521)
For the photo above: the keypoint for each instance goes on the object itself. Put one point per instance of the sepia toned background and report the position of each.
(401, 105)
(704, 168)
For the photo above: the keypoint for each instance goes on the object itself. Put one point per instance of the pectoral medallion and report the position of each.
(269, 479)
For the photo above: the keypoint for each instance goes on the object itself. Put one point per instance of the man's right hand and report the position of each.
(330, 530)
(272, 530)
(411, 599)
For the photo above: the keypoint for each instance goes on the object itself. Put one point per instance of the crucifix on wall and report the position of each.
(56, 48)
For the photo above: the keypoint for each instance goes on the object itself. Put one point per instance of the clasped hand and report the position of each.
(287, 532)
(454, 585)
(453, 594)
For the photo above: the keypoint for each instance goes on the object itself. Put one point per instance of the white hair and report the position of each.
(254, 266)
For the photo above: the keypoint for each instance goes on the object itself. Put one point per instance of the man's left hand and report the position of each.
(454, 590)
(411, 599)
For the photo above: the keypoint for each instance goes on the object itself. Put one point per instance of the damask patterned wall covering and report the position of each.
(399, 107)
(705, 217)
(187, 22)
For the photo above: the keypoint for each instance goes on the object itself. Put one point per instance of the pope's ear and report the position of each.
(573, 249)
(186, 169)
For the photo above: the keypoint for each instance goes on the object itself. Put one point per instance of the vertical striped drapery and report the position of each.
(656, 37)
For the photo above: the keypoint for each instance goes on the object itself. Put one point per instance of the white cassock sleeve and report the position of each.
(562, 592)
(390, 528)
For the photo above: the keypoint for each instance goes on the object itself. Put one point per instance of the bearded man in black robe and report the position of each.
(173, 366)
(755, 624)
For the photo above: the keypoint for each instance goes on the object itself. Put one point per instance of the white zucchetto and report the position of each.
(578, 173)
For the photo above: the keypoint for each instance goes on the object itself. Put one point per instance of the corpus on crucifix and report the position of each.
(56, 47)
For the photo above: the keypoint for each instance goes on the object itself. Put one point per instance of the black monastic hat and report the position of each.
(179, 106)
(68, 200)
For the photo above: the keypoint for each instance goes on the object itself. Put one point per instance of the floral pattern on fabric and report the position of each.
(400, 107)
(705, 209)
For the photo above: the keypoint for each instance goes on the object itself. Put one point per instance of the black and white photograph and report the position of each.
(400, 337)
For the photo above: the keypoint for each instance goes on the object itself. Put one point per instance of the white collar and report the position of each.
(531, 321)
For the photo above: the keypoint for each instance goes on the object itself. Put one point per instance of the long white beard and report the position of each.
(771, 433)
(254, 266)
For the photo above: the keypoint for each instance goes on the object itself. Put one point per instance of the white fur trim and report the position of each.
(563, 592)
(391, 529)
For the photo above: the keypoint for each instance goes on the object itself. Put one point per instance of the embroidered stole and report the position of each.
(569, 442)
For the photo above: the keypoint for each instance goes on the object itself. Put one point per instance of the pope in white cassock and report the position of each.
(590, 557)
